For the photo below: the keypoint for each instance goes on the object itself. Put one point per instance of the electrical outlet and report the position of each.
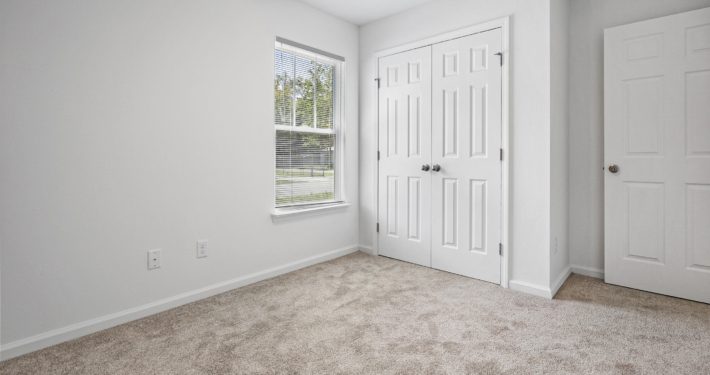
(202, 247)
(153, 259)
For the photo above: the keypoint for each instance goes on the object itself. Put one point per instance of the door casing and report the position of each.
(504, 24)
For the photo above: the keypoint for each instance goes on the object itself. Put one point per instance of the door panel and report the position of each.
(451, 123)
(657, 130)
(404, 137)
(466, 137)
(450, 204)
(697, 111)
(392, 198)
(478, 216)
(645, 222)
(414, 199)
(698, 235)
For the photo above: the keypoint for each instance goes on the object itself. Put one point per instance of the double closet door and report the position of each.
(440, 167)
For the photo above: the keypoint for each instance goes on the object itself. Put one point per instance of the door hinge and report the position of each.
(501, 154)
(377, 227)
(500, 54)
(378, 155)
(500, 249)
(378, 82)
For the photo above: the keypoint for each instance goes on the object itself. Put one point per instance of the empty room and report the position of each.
(355, 187)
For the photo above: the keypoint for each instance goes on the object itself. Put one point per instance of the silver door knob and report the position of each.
(425, 167)
(436, 168)
(613, 168)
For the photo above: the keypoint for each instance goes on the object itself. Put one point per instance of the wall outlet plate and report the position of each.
(153, 259)
(202, 247)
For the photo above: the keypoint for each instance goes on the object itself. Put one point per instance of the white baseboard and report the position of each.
(588, 271)
(367, 249)
(530, 288)
(70, 332)
(539, 290)
(560, 281)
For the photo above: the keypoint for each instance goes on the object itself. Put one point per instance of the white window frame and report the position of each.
(338, 131)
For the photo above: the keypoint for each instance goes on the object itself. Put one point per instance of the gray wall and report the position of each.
(559, 139)
(133, 125)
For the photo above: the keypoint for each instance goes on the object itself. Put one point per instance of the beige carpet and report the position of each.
(364, 314)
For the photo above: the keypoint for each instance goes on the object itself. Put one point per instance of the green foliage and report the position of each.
(309, 86)
(283, 99)
(303, 98)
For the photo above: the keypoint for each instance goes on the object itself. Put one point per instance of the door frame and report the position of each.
(504, 24)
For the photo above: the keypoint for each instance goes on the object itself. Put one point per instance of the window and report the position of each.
(307, 124)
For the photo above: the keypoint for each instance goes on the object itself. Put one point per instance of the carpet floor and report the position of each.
(365, 314)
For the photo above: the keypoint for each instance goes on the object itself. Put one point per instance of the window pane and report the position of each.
(325, 82)
(304, 91)
(283, 88)
(304, 168)
(304, 100)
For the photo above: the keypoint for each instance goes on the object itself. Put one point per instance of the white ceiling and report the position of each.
(361, 12)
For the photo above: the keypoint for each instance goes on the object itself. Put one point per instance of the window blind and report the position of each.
(306, 127)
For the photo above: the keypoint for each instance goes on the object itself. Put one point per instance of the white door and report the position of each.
(657, 136)
(466, 141)
(404, 147)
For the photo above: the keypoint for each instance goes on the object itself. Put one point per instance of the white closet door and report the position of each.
(466, 141)
(657, 136)
(405, 146)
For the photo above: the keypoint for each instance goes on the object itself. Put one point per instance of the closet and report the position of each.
(439, 167)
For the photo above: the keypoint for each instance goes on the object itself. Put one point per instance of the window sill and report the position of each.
(284, 213)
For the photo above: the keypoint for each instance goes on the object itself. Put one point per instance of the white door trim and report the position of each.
(504, 24)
